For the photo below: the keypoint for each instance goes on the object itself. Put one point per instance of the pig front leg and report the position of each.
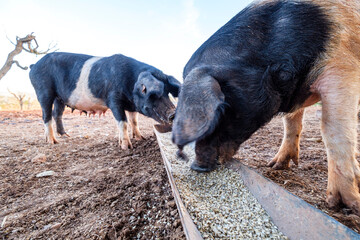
(120, 116)
(290, 146)
(124, 140)
(227, 150)
(339, 130)
(133, 119)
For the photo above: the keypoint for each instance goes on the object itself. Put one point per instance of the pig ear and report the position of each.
(148, 84)
(201, 103)
(172, 85)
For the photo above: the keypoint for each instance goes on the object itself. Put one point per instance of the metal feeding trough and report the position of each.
(294, 217)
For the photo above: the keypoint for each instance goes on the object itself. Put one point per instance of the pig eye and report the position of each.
(143, 89)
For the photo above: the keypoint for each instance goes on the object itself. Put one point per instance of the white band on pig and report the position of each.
(81, 97)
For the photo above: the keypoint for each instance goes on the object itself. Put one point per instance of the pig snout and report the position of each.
(167, 111)
(164, 111)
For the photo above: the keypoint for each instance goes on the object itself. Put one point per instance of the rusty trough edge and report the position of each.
(190, 230)
(293, 216)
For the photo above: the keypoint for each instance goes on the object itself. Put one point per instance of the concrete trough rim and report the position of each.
(293, 216)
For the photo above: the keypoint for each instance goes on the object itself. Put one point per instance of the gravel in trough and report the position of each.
(218, 202)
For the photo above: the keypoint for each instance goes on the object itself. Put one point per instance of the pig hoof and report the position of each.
(333, 200)
(64, 134)
(279, 165)
(202, 168)
(139, 138)
(125, 145)
(52, 141)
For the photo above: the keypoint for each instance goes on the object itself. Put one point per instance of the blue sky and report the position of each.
(162, 33)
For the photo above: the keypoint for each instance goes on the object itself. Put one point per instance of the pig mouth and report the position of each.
(165, 124)
(163, 128)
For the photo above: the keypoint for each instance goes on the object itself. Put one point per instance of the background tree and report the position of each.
(20, 97)
(28, 44)
(28, 103)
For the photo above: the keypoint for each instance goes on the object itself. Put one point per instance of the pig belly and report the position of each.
(312, 99)
(82, 98)
(88, 104)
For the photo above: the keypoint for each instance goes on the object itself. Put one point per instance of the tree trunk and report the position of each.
(21, 105)
(10, 60)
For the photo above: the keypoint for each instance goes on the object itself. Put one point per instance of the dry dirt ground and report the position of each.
(101, 192)
(98, 191)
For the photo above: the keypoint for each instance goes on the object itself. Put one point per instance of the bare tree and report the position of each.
(20, 97)
(28, 44)
(28, 103)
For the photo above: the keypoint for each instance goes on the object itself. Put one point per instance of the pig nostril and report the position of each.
(171, 117)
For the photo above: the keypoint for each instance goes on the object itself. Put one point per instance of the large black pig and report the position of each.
(95, 84)
(277, 57)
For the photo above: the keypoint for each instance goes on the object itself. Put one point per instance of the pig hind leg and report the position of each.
(133, 119)
(289, 149)
(46, 102)
(59, 107)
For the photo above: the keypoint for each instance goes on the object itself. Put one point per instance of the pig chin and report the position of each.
(165, 126)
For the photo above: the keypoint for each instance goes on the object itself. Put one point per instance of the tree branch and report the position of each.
(16, 96)
(18, 64)
(19, 46)
(10, 41)
(29, 39)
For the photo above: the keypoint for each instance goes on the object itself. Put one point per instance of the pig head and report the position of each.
(220, 115)
(151, 96)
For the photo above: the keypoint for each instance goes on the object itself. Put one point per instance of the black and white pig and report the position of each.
(95, 84)
(277, 56)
